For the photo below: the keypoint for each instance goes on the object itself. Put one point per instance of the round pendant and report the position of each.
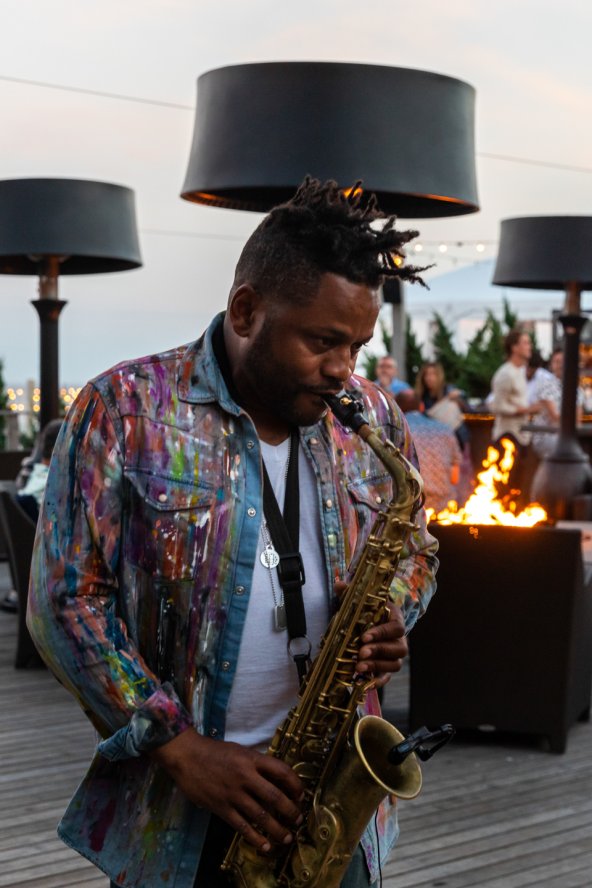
(269, 557)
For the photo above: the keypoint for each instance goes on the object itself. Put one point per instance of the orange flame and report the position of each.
(485, 506)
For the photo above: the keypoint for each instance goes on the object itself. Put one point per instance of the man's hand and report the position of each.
(384, 647)
(257, 795)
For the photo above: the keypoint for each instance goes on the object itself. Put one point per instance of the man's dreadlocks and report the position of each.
(323, 229)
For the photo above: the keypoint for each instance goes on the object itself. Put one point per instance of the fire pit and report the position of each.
(506, 642)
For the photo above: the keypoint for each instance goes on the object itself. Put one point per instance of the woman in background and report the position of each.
(444, 402)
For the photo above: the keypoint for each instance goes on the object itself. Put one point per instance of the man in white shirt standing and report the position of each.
(511, 407)
(509, 388)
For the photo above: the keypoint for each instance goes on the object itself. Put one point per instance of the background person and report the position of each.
(152, 595)
(509, 401)
(511, 408)
(441, 400)
(387, 375)
(537, 372)
(444, 402)
(438, 452)
(30, 485)
(30, 495)
(547, 395)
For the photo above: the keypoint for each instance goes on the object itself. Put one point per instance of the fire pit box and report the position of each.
(506, 643)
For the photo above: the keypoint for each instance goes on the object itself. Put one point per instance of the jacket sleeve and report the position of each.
(74, 614)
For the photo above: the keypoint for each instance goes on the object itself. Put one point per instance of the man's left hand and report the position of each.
(384, 647)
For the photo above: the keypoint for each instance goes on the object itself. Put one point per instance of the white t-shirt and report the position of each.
(509, 395)
(266, 683)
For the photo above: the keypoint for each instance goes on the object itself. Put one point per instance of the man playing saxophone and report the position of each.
(155, 594)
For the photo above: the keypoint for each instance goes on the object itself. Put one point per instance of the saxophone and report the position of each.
(347, 764)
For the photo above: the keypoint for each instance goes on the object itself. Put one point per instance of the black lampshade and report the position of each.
(545, 252)
(91, 224)
(260, 128)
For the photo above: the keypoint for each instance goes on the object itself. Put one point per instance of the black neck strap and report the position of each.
(284, 530)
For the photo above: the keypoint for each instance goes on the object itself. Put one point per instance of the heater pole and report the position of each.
(48, 307)
(566, 473)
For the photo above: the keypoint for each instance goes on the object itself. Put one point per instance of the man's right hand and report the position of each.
(257, 795)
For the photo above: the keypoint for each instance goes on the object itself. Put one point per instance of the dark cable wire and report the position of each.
(378, 848)
(96, 92)
(199, 234)
(533, 162)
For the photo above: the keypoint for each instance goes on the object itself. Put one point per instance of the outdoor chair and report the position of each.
(19, 533)
(5, 485)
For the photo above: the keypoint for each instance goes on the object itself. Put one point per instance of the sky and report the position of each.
(118, 107)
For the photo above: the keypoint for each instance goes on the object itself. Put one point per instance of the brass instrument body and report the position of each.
(341, 759)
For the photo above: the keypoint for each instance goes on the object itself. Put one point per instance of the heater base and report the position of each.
(505, 643)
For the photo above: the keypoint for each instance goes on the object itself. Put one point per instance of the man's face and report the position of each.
(296, 353)
(523, 347)
(386, 371)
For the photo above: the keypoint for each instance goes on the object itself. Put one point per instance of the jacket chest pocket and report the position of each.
(168, 524)
(366, 497)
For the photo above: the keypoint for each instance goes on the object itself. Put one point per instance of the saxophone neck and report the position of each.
(406, 478)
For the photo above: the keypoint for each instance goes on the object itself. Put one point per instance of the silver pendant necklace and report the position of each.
(269, 557)
(272, 559)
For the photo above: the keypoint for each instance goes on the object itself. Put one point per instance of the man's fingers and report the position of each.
(391, 650)
(248, 832)
(377, 667)
(383, 679)
(282, 777)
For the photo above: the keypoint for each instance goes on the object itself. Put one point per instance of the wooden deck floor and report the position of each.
(495, 812)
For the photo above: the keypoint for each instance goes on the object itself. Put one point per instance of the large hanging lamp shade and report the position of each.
(555, 253)
(50, 227)
(90, 225)
(260, 128)
(545, 252)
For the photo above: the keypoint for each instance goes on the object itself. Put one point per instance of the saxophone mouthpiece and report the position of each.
(347, 409)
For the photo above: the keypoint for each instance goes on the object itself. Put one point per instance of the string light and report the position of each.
(455, 252)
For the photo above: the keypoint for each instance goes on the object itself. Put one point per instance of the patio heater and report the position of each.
(51, 227)
(260, 128)
(555, 253)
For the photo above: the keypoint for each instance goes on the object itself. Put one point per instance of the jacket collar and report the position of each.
(200, 380)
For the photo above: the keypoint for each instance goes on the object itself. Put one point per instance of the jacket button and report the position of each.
(251, 512)
(225, 665)
(250, 444)
(162, 497)
(213, 732)
(329, 504)
(240, 590)
(314, 441)
(378, 499)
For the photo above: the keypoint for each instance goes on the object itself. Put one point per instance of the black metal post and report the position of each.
(566, 473)
(48, 307)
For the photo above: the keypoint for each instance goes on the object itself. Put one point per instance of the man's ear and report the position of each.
(244, 307)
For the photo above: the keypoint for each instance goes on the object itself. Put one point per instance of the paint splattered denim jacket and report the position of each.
(141, 577)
